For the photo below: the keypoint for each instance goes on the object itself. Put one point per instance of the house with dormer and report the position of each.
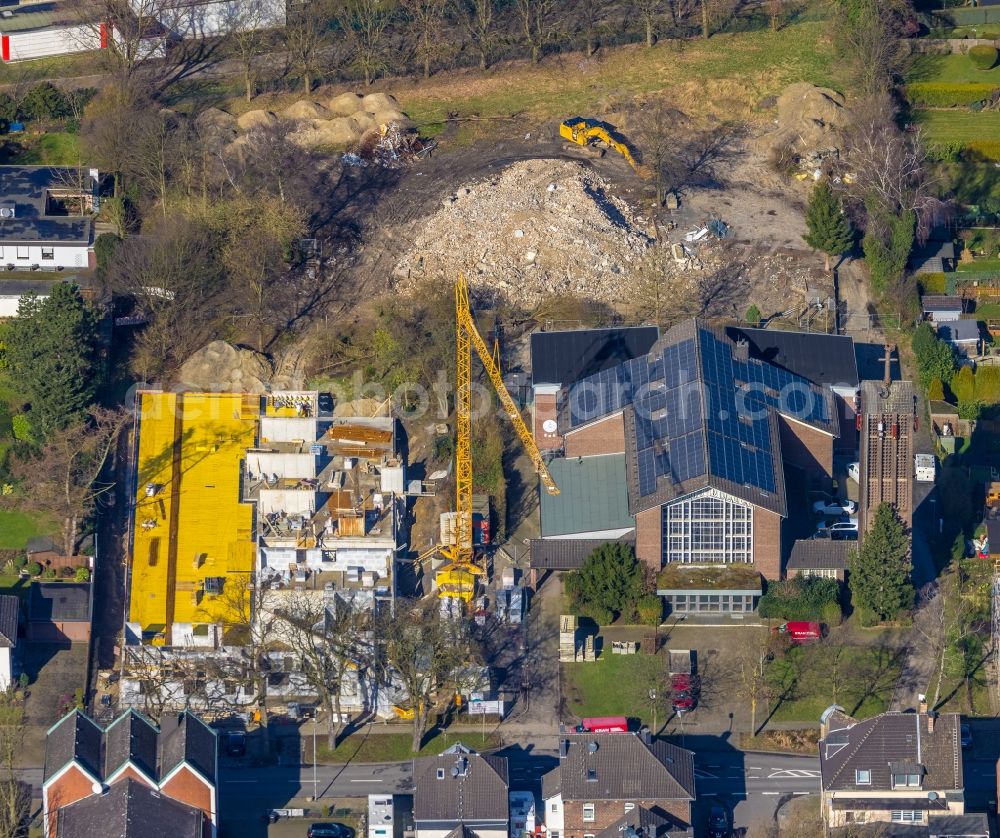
(461, 794)
(159, 779)
(902, 769)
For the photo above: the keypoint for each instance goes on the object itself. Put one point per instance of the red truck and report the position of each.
(603, 724)
(683, 684)
(801, 631)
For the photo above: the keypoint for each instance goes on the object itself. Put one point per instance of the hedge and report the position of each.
(802, 598)
(933, 283)
(983, 56)
(935, 94)
(987, 148)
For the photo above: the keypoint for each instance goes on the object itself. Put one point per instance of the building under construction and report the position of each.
(886, 419)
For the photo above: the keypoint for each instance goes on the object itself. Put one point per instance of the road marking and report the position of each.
(709, 794)
(798, 773)
(756, 768)
(240, 781)
(701, 774)
(366, 781)
(801, 792)
(771, 792)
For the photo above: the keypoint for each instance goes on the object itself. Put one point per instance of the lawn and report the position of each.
(978, 266)
(395, 747)
(52, 149)
(808, 679)
(958, 126)
(950, 69)
(16, 528)
(613, 685)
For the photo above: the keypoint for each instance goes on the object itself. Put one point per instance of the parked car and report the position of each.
(836, 507)
(854, 472)
(718, 822)
(966, 735)
(329, 830)
(236, 744)
(800, 631)
(850, 525)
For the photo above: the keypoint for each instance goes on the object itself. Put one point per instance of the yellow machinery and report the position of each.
(457, 578)
(584, 131)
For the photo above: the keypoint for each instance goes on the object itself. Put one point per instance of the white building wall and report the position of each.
(301, 466)
(61, 40)
(288, 429)
(22, 257)
(288, 501)
(554, 814)
(6, 671)
(212, 18)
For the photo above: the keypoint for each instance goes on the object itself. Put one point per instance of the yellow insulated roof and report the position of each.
(190, 525)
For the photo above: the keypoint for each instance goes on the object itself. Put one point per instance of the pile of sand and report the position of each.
(345, 119)
(220, 367)
(808, 118)
(538, 228)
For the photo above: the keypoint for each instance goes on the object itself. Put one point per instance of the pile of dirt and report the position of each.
(220, 366)
(808, 118)
(255, 119)
(537, 228)
(345, 120)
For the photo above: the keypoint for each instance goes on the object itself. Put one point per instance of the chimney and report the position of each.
(930, 722)
(563, 748)
(741, 351)
(646, 736)
(887, 374)
(922, 703)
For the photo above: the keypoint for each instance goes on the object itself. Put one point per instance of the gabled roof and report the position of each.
(955, 331)
(460, 786)
(129, 809)
(75, 736)
(9, 610)
(186, 738)
(564, 357)
(938, 302)
(130, 738)
(817, 357)
(620, 766)
(875, 744)
(640, 822)
(820, 553)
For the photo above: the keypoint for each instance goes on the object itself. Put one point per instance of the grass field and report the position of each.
(395, 747)
(614, 685)
(52, 149)
(16, 528)
(978, 266)
(808, 679)
(958, 126)
(949, 69)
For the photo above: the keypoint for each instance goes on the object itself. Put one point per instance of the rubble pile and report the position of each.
(539, 227)
(808, 118)
(220, 366)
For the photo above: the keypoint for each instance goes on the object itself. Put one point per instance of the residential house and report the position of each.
(461, 793)
(96, 775)
(897, 768)
(213, 18)
(934, 256)
(59, 612)
(822, 557)
(942, 309)
(602, 778)
(963, 335)
(9, 611)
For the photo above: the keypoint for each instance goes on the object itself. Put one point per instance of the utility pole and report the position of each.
(315, 783)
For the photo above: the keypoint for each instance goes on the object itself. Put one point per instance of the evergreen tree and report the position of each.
(51, 353)
(963, 385)
(611, 581)
(880, 571)
(935, 358)
(828, 229)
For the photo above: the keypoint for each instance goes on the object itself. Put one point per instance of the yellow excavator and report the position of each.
(457, 577)
(585, 132)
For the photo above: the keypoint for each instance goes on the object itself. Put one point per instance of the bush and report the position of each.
(601, 616)
(21, 426)
(650, 610)
(82, 574)
(935, 390)
(34, 569)
(105, 246)
(66, 572)
(20, 561)
(44, 101)
(802, 598)
(49, 573)
(831, 614)
(933, 283)
(983, 56)
(753, 315)
(931, 94)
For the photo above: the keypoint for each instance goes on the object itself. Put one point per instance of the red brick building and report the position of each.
(95, 777)
(604, 777)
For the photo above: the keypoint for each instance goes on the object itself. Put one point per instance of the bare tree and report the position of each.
(589, 16)
(774, 8)
(867, 33)
(153, 155)
(427, 19)
(537, 23)
(752, 678)
(425, 651)
(135, 32)
(251, 623)
(649, 12)
(247, 32)
(15, 796)
(363, 23)
(306, 35)
(478, 17)
(63, 476)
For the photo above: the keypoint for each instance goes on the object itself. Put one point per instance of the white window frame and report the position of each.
(862, 773)
(708, 529)
(588, 808)
(555, 807)
(629, 807)
(48, 253)
(907, 816)
(18, 250)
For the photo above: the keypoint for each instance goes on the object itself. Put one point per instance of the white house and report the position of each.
(8, 638)
(46, 218)
(37, 30)
(212, 18)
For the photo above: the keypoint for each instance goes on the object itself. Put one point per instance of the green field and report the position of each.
(53, 149)
(958, 126)
(395, 747)
(613, 685)
(950, 69)
(16, 528)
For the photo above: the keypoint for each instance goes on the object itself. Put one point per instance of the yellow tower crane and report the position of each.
(457, 577)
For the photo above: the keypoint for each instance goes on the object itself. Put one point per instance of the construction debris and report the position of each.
(221, 367)
(539, 227)
(808, 119)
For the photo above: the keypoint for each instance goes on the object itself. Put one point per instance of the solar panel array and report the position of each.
(686, 408)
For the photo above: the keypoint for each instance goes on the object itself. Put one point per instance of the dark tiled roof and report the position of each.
(129, 810)
(185, 737)
(75, 736)
(565, 357)
(969, 825)
(480, 794)
(25, 187)
(936, 302)
(622, 767)
(130, 738)
(816, 357)
(59, 602)
(886, 804)
(41, 544)
(9, 609)
(958, 330)
(568, 553)
(643, 822)
(817, 553)
(872, 745)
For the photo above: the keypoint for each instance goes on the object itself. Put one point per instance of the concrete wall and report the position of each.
(604, 437)
(767, 542)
